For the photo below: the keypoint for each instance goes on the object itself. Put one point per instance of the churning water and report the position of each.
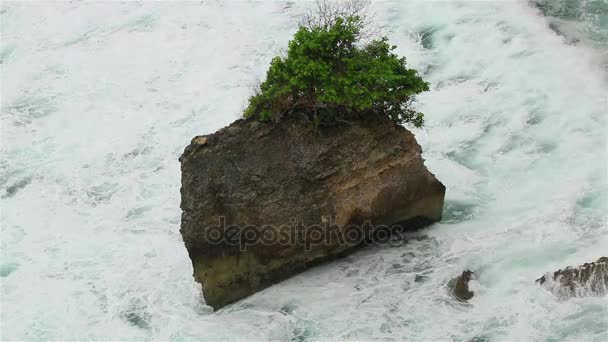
(99, 100)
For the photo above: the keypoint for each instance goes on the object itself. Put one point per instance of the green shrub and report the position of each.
(330, 76)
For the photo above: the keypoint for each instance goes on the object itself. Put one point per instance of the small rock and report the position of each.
(460, 286)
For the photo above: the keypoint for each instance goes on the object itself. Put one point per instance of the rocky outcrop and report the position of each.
(263, 201)
(460, 286)
(587, 279)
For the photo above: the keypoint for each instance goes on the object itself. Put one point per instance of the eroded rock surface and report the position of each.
(256, 196)
(584, 280)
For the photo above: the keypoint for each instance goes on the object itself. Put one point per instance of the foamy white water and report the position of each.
(99, 100)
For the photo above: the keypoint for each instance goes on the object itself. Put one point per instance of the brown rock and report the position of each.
(257, 197)
(587, 279)
(460, 286)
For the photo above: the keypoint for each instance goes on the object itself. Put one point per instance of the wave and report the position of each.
(99, 100)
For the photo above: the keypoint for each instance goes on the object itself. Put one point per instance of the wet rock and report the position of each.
(589, 279)
(460, 286)
(263, 201)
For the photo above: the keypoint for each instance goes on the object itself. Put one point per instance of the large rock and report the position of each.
(587, 279)
(260, 200)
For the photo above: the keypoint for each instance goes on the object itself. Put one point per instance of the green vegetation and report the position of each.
(331, 75)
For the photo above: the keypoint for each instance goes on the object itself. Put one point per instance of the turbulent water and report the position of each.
(99, 100)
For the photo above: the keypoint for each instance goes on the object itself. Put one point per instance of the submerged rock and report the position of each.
(460, 286)
(587, 279)
(263, 201)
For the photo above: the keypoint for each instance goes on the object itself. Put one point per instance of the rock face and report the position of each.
(587, 279)
(263, 201)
